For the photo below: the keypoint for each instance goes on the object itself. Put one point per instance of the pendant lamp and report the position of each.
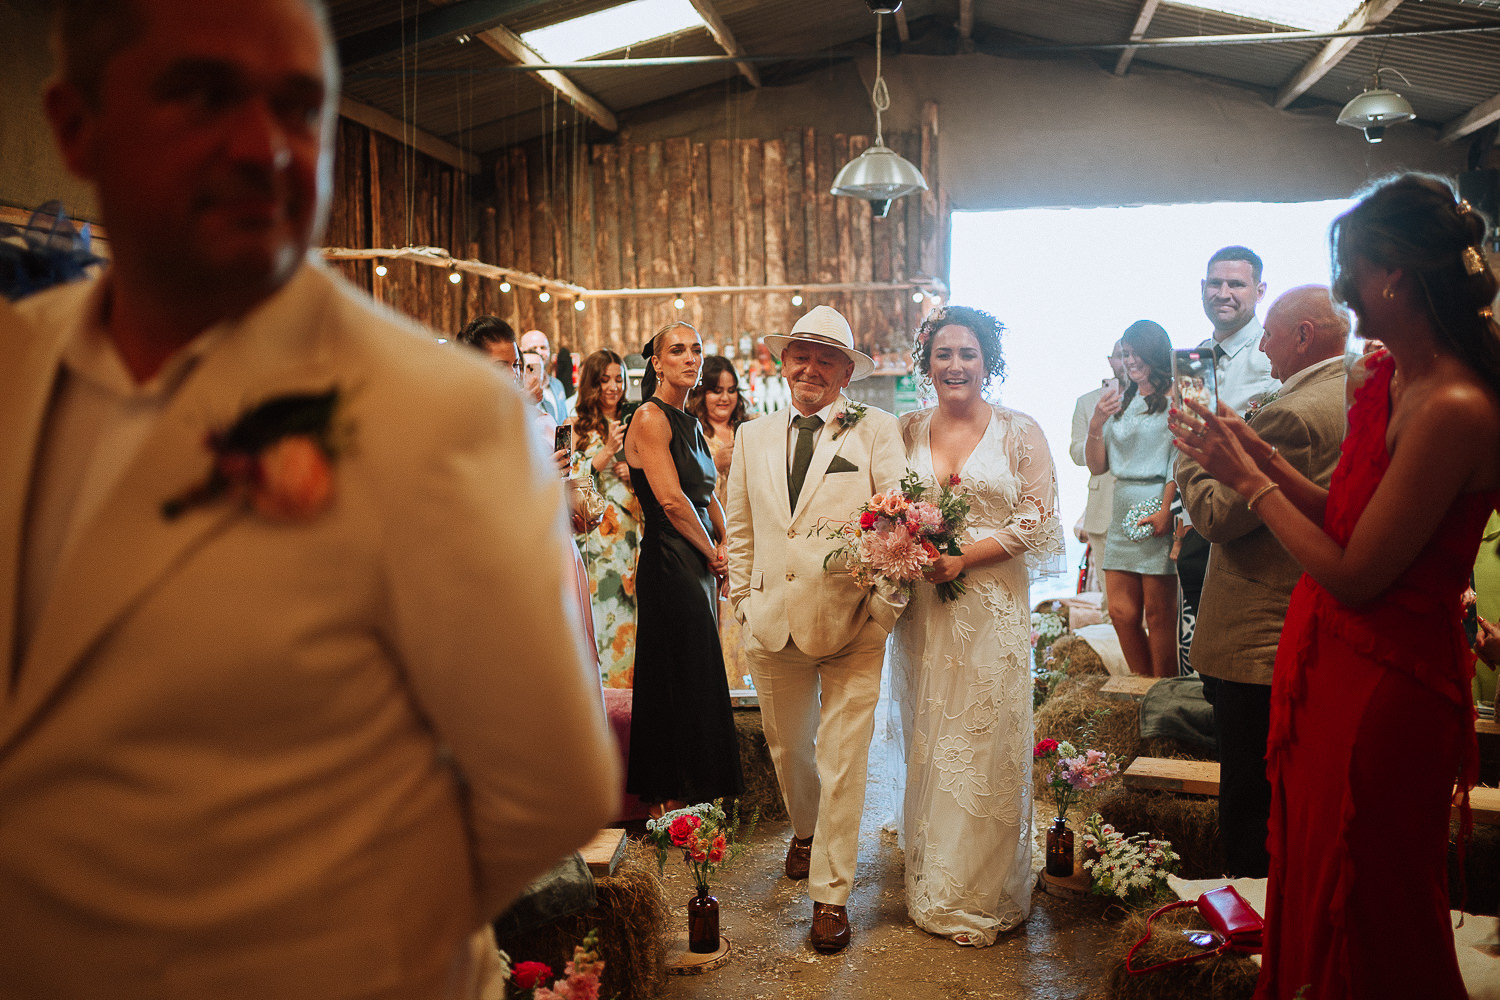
(879, 175)
(1375, 109)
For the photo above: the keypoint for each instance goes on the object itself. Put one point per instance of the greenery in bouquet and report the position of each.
(1131, 869)
(580, 978)
(1045, 676)
(889, 542)
(1067, 770)
(1046, 628)
(704, 834)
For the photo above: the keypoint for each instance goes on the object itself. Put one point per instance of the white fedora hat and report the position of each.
(826, 326)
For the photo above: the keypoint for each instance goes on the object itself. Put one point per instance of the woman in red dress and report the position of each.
(1371, 718)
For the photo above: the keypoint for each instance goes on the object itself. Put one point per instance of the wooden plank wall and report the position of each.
(668, 214)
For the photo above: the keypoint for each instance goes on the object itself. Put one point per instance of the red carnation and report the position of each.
(867, 520)
(1044, 747)
(530, 975)
(953, 480)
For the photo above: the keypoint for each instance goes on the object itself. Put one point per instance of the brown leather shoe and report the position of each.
(798, 858)
(830, 928)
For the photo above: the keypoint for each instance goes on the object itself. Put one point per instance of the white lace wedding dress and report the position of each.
(961, 683)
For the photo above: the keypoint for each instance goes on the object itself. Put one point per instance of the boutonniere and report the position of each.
(848, 417)
(1264, 399)
(277, 457)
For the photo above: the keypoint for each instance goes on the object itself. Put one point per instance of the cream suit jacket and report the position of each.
(1250, 575)
(777, 583)
(264, 760)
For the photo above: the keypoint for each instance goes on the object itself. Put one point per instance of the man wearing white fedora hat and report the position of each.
(814, 639)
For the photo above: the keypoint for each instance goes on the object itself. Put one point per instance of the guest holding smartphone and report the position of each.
(610, 549)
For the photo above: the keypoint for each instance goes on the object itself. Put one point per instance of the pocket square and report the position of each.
(841, 464)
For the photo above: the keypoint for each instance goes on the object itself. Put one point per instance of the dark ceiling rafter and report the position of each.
(721, 34)
(1370, 13)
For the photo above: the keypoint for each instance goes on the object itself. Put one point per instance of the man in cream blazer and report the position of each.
(301, 728)
(814, 640)
(1250, 575)
(1098, 509)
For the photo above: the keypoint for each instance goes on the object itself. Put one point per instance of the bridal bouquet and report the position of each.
(1133, 869)
(702, 832)
(892, 539)
(1072, 770)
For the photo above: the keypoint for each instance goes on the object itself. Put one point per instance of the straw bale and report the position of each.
(762, 790)
(631, 916)
(1190, 822)
(1075, 700)
(1170, 749)
(1079, 656)
(1230, 976)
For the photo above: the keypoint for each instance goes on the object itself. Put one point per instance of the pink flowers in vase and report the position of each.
(1070, 771)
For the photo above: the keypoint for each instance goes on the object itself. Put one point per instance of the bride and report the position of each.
(961, 671)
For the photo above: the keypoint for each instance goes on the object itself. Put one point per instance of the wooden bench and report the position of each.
(1201, 777)
(1128, 687)
(603, 853)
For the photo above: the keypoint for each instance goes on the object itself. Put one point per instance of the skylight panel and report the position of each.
(613, 29)
(1304, 15)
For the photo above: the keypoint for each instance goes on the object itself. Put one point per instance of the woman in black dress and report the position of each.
(682, 740)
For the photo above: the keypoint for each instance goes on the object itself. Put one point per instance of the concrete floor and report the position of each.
(1063, 952)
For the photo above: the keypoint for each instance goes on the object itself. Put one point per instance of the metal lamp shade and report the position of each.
(878, 174)
(1376, 108)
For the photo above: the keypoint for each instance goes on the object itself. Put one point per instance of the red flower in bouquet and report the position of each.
(683, 829)
(1044, 747)
(530, 975)
(702, 832)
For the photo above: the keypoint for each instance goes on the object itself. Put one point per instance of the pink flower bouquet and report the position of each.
(580, 978)
(1068, 771)
(890, 541)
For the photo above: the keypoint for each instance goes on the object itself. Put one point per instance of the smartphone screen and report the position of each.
(1194, 377)
(562, 439)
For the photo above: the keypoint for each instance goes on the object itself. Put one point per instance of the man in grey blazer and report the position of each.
(1250, 575)
(814, 639)
(286, 634)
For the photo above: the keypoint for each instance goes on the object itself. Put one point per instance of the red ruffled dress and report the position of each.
(1371, 724)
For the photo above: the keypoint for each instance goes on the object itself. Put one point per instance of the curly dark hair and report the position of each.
(985, 328)
(697, 401)
(1416, 223)
(588, 413)
(1151, 344)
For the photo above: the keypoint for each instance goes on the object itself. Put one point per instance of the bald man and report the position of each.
(1250, 576)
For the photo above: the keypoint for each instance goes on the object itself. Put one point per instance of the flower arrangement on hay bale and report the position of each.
(1131, 869)
(1071, 770)
(580, 978)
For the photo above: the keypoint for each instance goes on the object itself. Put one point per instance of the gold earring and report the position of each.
(1389, 293)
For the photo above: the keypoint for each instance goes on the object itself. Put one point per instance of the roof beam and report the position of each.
(1472, 120)
(1142, 22)
(430, 24)
(510, 45)
(1371, 13)
(422, 142)
(965, 18)
(725, 38)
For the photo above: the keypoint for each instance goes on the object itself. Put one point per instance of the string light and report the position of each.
(796, 298)
(504, 288)
(917, 297)
(454, 276)
(679, 302)
(380, 270)
(579, 305)
(546, 296)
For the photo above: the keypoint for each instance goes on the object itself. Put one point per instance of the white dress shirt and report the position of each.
(1243, 369)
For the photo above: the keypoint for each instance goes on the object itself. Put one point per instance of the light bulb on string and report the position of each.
(796, 298)
(679, 302)
(579, 305)
(380, 269)
(545, 296)
(504, 288)
(455, 277)
(917, 297)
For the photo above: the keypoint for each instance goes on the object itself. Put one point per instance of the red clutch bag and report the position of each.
(1233, 921)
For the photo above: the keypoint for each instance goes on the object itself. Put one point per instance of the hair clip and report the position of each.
(1487, 312)
(1464, 208)
(1473, 260)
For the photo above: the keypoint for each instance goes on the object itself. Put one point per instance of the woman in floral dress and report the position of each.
(610, 549)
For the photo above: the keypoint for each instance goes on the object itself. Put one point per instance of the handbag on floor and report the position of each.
(1232, 920)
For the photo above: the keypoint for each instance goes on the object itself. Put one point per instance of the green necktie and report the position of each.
(802, 454)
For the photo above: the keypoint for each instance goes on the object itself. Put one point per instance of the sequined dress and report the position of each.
(1371, 722)
(961, 680)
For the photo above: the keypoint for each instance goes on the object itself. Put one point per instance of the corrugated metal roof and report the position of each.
(462, 93)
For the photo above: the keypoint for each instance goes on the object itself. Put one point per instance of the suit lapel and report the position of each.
(129, 545)
(828, 446)
(32, 358)
(776, 459)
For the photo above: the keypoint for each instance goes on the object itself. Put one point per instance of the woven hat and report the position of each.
(826, 326)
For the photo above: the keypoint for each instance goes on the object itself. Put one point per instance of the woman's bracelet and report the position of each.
(1250, 504)
(1096, 437)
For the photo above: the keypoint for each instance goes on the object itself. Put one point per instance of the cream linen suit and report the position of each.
(241, 758)
(815, 641)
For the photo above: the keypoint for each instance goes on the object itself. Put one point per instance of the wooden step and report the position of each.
(1128, 687)
(603, 853)
(1201, 777)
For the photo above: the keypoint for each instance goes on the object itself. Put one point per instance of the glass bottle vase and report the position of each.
(1059, 849)
(703, 922)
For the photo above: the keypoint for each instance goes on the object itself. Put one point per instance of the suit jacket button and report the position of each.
(791, 532)
(791, 576)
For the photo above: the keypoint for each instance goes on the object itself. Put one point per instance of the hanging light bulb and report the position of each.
(579, 305)
(546, 296)
(879, 175)
(380, 270)
(504, 288)
(796, 298)
(917, 296)
(1375, 109)
(454, 276)
(679, 302)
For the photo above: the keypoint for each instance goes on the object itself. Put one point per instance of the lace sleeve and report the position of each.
(1035, 527)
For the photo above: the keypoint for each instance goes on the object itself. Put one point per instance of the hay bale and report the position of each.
(1230, 976)
(1075, 700)
(762, 790)
(631, 916)
(1079, 656)
(1190, 822)
(1166, 747)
